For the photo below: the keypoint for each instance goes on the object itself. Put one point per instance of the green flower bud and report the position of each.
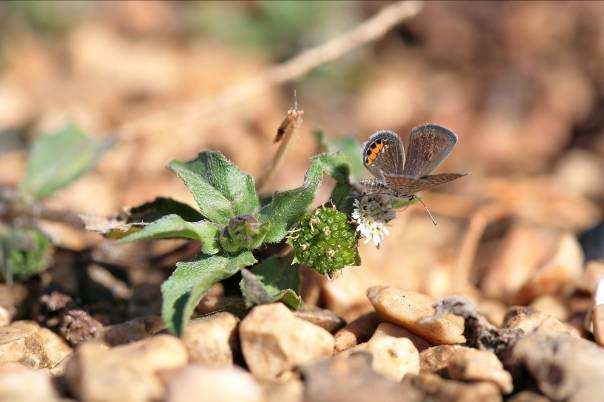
(325, 241)
(243, 232)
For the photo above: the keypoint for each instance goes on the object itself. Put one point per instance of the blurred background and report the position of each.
(522, 84)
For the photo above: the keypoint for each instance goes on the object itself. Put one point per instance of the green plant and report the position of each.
(233, 224)
(55, 161)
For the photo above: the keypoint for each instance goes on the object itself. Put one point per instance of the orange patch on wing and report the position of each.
(374, 153)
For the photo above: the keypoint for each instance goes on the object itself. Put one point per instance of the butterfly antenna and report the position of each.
(427, 210)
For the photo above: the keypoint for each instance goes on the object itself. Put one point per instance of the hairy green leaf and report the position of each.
(173, 226)
(160, 207)
(23, 252)
(58, 159)
(220, 189)
(275, 279)
(287, 207)
(190, 280)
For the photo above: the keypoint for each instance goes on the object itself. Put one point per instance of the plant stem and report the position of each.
(285, 133)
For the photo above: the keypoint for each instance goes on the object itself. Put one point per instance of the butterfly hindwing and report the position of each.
(428, 147)
(383, 154)
(405, 186)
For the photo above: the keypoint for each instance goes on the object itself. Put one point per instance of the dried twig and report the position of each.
(285, 133)
(366, 32)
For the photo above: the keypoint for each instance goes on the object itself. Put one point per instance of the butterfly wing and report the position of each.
(383, 153)
(405, 186)
(429, 146)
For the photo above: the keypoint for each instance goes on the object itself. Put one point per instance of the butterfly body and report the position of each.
(402, 175)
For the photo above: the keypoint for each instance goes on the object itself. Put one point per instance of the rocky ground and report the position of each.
(502, 301)
(408, 348)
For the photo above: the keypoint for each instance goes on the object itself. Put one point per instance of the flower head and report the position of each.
(325, 241)
(372, 212)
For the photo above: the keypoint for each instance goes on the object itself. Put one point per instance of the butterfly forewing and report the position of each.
(428, 147)
(384, 153)
(405, 186)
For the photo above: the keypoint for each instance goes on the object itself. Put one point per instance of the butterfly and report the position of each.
(402, 175)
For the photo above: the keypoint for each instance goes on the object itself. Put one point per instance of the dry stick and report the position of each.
(285, 133)
(370, 30)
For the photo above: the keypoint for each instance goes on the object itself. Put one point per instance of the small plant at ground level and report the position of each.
(232, 223)
(55, 161)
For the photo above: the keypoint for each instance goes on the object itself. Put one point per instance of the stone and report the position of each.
(597, 319)
(529, 320)
(552, 306)
(357, 331)
(564, 367)
(27, 343)
(469, 364)
(291, 390)
(324, 318)
(124, 373)
(351, 379)
(386, 329)
(19, 383)
(5, 316)
(196, 383)
(528, 396)
(593, 272)
(557, 276)
(132, 330)
(274, 341)
(436, 358)
(437, 389)
(212, 339)
(408, 309)
(393, 356)
(492, 310)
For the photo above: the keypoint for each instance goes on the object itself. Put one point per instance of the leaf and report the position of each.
(287, 207)
(173, 226)
(220, 189)
(160, 207)
(183, 290)
(24, 252)
(275, 279)
(56, 160)
(137, 218)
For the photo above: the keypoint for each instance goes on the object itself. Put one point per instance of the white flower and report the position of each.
(372, 212)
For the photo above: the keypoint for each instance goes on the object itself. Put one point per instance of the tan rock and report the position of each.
(123, 373)
(407, 309)
(357, 331)
(492, 310)
(593, 272)
(195, 383)
(551, 305)
(437, 389)
(386, 329)
(291, 390)
(469, 364)
(324, 318)
(5, 316)
(19, 383)
(27, 343)
(437, 358)
(523, 247)
(211, 340)
(562, 269)
(528, 396)
(529, 320)
(393, 356)
(597, 319)
(273, 341)
(131, 331)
